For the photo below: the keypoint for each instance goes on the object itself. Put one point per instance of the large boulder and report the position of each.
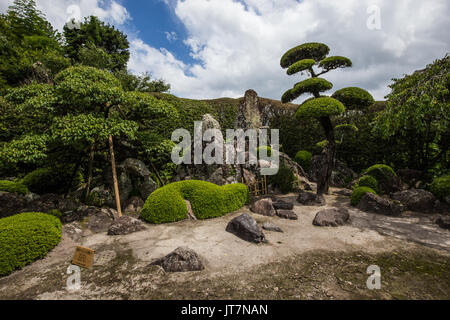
(331, 217)
(181, 259)
(11, 203)
(125, 225)
(283, 205)
(443, 222)
(376, 204)
(310, 199)
(287, 214)
(264, 207)
(246, 228)
(416, 199)
(136, 167)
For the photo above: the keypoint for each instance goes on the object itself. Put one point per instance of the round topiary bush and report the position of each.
(385, 176)
(283, 180)
(358, 193)
(208, 200)
(51, 180)
(303, 158)
(26, 237)
(440, 187)
(13, 187)
(367, 181)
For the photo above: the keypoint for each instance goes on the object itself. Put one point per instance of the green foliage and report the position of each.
(358, 193)
(303, 158)
(208, 200)
(382, 173)
(347, 128)
(440, 187)
(141, 83)
(335, 62)
(56, 213)
(313, 50)
(283, 180)
(354, 98)
(301, 65)
(268, 150)
(312, 85)
(52, 180)
(25, 238)
(367, 181)
(319, 107)
(14, 187)
(30, 149)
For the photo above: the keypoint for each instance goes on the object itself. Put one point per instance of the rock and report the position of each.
(136, 167)
(331, 217)
(411, 177)
(280, 204)
(146, 187)
(344, 192)
(376, 204)
(310, 199)
(30, 196)
(79, 214)
(264, 207)
(181, 259)
(416, 199)
(447, 199)
(124, 181)
(246, 228)
(271, 227)
(99, 220)
(100, 196)
(125, 225)
(11, 203)
(133, 205)
(443, 222)
(287, 214)
(340, 176)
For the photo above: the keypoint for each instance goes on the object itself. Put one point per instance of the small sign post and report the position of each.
(83, 257)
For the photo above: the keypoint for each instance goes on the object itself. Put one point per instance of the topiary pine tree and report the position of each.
(304, 58)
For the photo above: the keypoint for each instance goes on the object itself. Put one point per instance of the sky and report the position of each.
(220, 48)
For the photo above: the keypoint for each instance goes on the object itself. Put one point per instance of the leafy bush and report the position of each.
(306, 86)
(367, 181)
(312, 50)
(208, 200)
(319, 107)
(440, 187)
(358, 193)
(283, 180)
(51, 180)
(301, 65)
(25, 238)
(303, 158)
(14, 187)
(383, 174)
(354, 98)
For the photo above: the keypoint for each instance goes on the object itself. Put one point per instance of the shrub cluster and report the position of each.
(51, 180)
(208, 200)
(26, 237)
(383, 174)
(319, 107)
(354, 98)
(283, 180)
(312, 50)
(13, 187)
(303, 158)
(367, 181)
(440, 187)
(358, 193)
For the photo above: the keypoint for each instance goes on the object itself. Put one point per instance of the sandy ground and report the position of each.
(121, 268)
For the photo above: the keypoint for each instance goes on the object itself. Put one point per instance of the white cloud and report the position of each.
(238, 44)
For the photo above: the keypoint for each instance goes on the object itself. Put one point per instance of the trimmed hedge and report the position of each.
(319, 107)
(13, 187)
(303, 158)
(440, 187)
(382, 173)
(283, 180)
(301, 65)
(26, 237)
(335, 62)
(51, 180)
(311, 50)
(367, 181)
(208, 200)
(358, 193)
(354, 98)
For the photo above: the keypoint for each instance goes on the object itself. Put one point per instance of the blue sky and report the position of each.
(221, 48)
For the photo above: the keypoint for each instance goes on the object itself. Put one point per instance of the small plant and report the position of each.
(384, 175)
(303, 158)
(440, 187)
(283, 180)
(358, 193)
(367, 181)
(13, 187)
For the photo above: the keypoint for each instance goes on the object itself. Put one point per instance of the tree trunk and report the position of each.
(323, 180)
(89, 181)
(72, 177)
(114, 173)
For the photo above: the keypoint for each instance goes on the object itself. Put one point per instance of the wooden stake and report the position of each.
(116, 184)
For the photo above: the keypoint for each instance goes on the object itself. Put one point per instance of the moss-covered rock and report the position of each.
(303, 158)
(387, 178)
(208, 200)
(367, 181)
(440, 187)
(13, 187)
(25, 238)
(358, 193)
(319, 107)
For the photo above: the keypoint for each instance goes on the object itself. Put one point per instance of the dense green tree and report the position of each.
(304, 58)
(141, 83)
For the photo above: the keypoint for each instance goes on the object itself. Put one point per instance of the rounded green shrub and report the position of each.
(301, 65)
(384, 174)
(13, 187)
(440, 187)
(335, 62)
(51, 180)
(367, 181)
(303, 158)
(208, 200)
(312, 50)
(269, 150)
(309, 86)
(26, 237)
(354, 98)
(358, 193)
(283, 180)
(319, 107)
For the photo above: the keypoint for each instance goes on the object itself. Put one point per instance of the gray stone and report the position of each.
(280, 204)
(271, 227)
(136, 167)
(310, 199)
(79, 214)
(146, 187)
(181, 259)
(287, 214)
(443, 222)
(125, 225)
(264, 207)
(133, 205)
(246, 228)
(331, 217)
(11, 203)
(376, 204)
(416, 199)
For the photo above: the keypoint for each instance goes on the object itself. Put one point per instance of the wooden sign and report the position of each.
(83, 257)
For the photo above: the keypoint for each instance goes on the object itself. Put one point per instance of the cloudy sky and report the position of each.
(221, 48)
